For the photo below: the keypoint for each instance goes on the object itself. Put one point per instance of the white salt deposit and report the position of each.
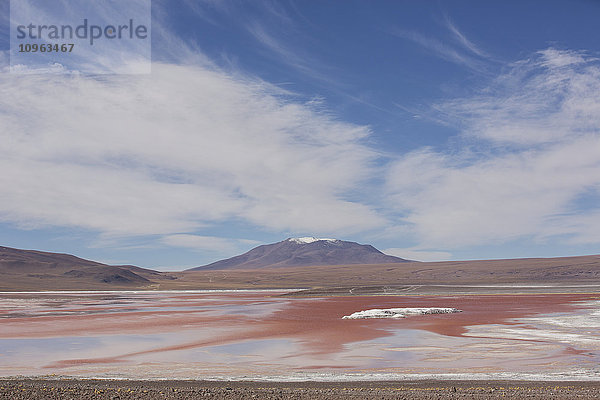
(399, 312)
(578, 329)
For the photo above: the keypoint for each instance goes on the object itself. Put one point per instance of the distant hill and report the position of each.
(38, 270)
(30, 270)
(305, 251)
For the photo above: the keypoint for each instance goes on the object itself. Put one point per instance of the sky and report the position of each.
(433, 130)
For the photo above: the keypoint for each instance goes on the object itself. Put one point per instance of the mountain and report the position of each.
(305, 251)
(38, 270)
(29, 270)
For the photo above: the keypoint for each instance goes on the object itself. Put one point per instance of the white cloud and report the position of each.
(4, 61)
(550, 98)
(205, 243)
(417, 254)
(171, 152)
(561, 58)
(534, 151)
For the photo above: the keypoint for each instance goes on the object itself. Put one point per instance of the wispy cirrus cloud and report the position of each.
(459, 50)
(293, 57)
(531, 157)
(463, 40)
(440, 49)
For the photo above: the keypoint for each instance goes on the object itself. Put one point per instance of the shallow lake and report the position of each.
(263, 335)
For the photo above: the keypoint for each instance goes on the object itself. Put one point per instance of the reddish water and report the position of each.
(238, 333)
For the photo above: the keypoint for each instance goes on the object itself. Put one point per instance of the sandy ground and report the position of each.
(92, 389)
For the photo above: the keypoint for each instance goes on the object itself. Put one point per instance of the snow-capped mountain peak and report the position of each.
(305, 251)
(309, 239)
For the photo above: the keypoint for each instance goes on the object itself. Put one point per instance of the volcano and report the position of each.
(304, 251)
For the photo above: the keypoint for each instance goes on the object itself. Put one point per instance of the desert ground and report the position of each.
(419, 390)
(38, 271)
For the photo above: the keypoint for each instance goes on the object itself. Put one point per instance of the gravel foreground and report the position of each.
(32, 389)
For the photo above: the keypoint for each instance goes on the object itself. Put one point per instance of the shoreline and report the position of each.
(327, 378)
(186, 389)
(143, 291)
(355, 291)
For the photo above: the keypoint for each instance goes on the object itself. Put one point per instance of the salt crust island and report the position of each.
(399, 312)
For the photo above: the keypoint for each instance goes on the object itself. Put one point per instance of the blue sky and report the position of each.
(433, 130)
